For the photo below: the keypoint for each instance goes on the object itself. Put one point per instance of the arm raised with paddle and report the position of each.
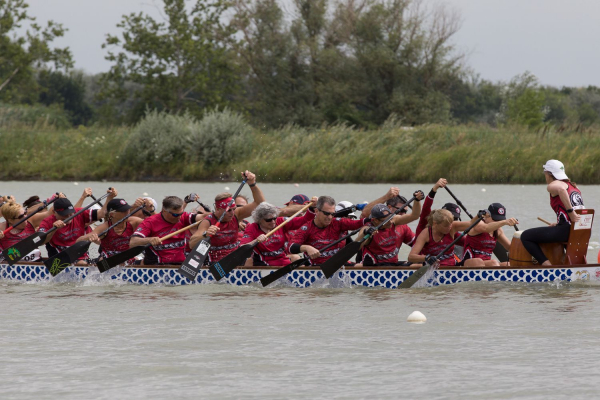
(45, 204)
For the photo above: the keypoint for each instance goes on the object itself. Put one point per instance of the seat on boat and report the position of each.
(568, 253)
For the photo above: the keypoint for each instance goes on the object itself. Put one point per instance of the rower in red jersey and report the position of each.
(170, 219)
(382, 248)
(481, 240)
(406, 235)
(13, 212)
(322, 231)
(272, 250)
(117, 239)
(66, 235)
(439, 234)
(224, 238)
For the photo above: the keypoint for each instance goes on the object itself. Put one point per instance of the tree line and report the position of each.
(357, 62)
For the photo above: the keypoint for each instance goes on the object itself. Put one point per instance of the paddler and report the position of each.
(13, 212)
(565, 197)
(224, 239)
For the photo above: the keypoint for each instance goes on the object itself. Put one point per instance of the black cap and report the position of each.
(497, 211)
(454, 209)
(63, 207)
(380, 211)
(118, 205)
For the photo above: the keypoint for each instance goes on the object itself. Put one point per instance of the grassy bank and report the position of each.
(465, 154)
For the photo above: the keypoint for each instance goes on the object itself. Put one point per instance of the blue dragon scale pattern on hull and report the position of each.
(388, 278)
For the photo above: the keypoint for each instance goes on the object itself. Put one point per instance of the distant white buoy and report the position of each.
(75, 183)
(295, 184)
(226, 187)
(483, 190)
(416, 317)
(145, 194)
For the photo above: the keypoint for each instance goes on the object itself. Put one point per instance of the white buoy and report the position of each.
(145, 194)
(75, 183)
(226, 187)
(416, 317)
(483, 190)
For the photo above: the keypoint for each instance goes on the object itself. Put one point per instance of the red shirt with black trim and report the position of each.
(226, 240)
(558, 206)
(67, 236)
(113, 243)
(434, 248)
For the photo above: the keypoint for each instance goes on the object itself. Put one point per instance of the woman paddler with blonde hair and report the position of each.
(441, 228)
(13, 212)
(224, 238)
(565, 197)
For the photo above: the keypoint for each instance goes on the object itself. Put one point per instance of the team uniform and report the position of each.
(225, 241)
(11, 238)
(318, 238)
(273, 250)
(170, 251)
(383, 247)
(480, 246)
(426, 210)
(113, 243)
(433, 248)
(67, 236)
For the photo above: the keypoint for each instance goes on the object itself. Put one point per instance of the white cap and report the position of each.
(556, 168)
(153, 203)
(343, 204)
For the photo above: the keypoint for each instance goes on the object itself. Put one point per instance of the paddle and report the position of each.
(499, 251)
(42, 207)
(189, 199)
(239, 256)
(108, 263)
(191, 266)
(70, 255)
(30, 243)
(414, 278)
(544, 221)
(334, 263)
(281, 272)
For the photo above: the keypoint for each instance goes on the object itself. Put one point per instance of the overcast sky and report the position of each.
(556, 40)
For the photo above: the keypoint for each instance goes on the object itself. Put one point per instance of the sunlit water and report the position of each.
(481, 340)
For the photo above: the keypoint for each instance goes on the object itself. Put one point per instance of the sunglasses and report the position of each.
(327, 213)
(21, 216)
(270, 219)
(175, 214)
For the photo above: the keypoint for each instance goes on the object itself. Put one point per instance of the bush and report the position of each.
(218, 138)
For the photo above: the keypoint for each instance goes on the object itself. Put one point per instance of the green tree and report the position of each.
(182, 63)
(22, 54)
(69, 92)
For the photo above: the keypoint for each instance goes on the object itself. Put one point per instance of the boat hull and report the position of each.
(387, 277)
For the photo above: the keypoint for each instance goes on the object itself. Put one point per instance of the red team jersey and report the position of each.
(226, 240)
(11, 238)
(65, 237)
(479, 246)
(318, 238)
(114, 243)
(434, 248)
(558, 206)
(273, 250)
(383, 248)
(171, 251)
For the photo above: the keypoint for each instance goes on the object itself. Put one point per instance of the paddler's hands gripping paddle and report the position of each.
(30, 243)
(239, 256)
(431, 262)
(195, 260)
(46, 203)
(334, 263)
(71, 254)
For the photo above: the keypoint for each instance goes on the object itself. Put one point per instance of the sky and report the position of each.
(556, 40)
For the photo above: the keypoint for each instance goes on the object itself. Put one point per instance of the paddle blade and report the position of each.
(62, 260)
(230, 261)
(283, 271)
(110, 262)
(418, 274)
(18, 251)
(331, 266)
(191, 266)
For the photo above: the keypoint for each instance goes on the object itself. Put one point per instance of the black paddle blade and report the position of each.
(191, 266)
(70, 255)
(283, 271)
(18, 251)
(110, 262)
(418, 274)
(331, 266)
(230, 261)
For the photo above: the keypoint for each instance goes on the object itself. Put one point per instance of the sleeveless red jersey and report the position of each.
(558, 206)
(65, 237)
(11, 238)
(434, 248)
(479, 246)
(318, 238)
(171, 251)
(226, 240)
(384, 246)
(113, 243)
(273, 251)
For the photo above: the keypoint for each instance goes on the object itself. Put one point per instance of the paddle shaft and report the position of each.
(93, 198)
(544, 221)
(458, 202)
(104, 232)
(43, 207)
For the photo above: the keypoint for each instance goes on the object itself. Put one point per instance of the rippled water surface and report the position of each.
(481, 340)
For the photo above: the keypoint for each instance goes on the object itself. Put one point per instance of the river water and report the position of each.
(481, 340)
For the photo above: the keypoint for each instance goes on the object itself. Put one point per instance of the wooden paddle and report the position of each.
(335, 262)
(42, 207)
(30, 243)
(414, 278)
(281, 272)
(499, 251)
(106, 264)
(191, 266)
(239, 256)
(70, 255)
(544, 221)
